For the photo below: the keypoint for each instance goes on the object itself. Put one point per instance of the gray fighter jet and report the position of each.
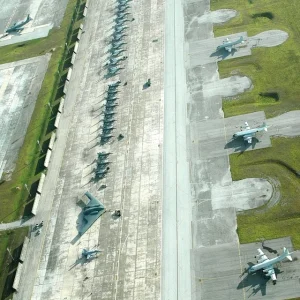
(89, 253)
(118, 36)
(113, 70)
(120, 28)
(121, 21)
(117, 45)
(114, 84)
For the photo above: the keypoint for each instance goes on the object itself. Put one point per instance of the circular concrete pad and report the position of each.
(227, 87)
(217, 16)
(243, 194)
(268, 38)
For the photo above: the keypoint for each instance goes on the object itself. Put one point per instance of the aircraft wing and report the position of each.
(269, 271)
(261, 256)
(248, 138)
(228, 48)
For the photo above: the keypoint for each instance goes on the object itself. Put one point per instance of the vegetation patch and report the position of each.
(18, 193)
(274, 70)
(11, 243)
(281, 162)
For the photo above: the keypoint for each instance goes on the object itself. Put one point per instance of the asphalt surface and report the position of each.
(201, 256)
(20, 84)
(200, 199)
(128, 266)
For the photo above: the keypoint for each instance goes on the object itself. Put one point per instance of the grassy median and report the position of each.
(273, 71)
(16, 202)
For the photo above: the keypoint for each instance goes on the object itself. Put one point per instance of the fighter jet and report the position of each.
(122, 2)
(19, 25)
(103, 154)
(111, 92)
(118, 36)
(103, 140)
(107, 131)
(108, 122)
(117, 45)
(121, 14)
(111, 105)
(114, 84)
(228, 45)
(121, 21)
(122, 8)
(113, 70)
(249, 133)
(89, 253)
(109, 114)
(112, 100)
(267, 264)
(119, 28)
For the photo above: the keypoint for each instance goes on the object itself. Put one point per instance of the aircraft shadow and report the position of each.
(222, 53)
(79, 224)
(257, 282)
(239, 145)
(81, 261)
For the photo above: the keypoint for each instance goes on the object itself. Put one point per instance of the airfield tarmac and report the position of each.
(45, 14)
(128, 266)
(196, 152)
(20, 84)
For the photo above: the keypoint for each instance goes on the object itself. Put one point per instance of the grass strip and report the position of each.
(15, 200)
(273, 71)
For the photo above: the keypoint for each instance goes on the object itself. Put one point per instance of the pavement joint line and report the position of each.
(126, 155)
(241, 265)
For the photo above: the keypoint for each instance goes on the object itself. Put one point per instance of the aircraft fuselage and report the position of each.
(227, 44)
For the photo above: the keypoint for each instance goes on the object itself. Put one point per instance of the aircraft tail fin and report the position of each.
(264, 126)
(287, 254)
(28, 18)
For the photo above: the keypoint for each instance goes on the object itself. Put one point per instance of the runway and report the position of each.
(201, 254)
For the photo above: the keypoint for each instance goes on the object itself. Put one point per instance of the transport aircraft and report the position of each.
(17, 27)
(248, 133)
(267, 264)
(228, 45)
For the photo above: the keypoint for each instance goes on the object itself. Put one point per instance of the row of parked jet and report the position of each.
(117, 38)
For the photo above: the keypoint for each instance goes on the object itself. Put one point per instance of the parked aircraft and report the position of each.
(228, 45)
(267, 264)
(89, 253)
(249, 133)
(18, 26)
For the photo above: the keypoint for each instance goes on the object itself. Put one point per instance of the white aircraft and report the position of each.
(228, 45)
(249, 133)
(267, 264)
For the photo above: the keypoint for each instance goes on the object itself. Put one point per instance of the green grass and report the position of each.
(271, 70)
(14, 198)
(13, 195)
(12, 240)
(284, 218)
